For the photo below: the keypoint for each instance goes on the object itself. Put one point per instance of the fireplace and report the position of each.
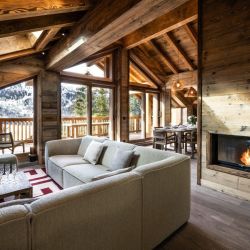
(230, 151)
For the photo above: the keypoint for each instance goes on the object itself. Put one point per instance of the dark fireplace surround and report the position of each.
(226, 154)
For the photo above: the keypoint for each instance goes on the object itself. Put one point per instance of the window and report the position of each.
(16, 113)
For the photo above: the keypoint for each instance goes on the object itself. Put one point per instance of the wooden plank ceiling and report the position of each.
(161, 37)
(20, 18)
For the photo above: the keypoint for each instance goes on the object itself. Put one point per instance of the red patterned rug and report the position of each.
(41, 182)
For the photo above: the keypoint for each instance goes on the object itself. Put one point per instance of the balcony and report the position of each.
(72, 127)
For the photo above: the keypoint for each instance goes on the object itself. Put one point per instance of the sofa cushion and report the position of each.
(112, 173)
(85, 172)
(86, 140)
(66, 160)
(93, 152)
(110, 149)
(121, 159)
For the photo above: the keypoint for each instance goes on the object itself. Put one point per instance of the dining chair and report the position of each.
(7, 142)
(161, 139)
(190, 138)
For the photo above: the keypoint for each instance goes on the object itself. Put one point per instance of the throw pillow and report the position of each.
(122, 159)
(116, 172)
(93, 152)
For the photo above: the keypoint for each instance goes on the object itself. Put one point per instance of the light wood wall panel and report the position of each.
(48, 110)
(225, 83)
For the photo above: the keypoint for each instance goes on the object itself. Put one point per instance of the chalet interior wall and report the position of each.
(225, 83)
(48, 110)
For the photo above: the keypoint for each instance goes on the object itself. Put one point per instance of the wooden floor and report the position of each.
(217, 221)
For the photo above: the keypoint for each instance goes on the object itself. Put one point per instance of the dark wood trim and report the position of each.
(199, 93)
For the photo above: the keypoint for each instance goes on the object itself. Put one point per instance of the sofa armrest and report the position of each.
(166, 197)
(61, 147)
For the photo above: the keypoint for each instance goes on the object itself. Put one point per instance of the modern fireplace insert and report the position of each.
(230, 151)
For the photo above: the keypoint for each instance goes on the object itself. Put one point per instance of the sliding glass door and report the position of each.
(102, 112)
(86, 110)
(143, 114)
(73, 110)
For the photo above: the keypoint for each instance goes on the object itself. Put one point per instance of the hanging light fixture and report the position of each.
(177, 83)
(191, 92)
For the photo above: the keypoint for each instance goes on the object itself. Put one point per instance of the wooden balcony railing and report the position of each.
(22, 128)
(134, 123)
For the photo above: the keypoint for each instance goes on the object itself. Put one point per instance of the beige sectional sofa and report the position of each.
(133, 210)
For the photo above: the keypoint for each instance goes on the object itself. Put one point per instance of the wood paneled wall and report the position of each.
(225, 83)
(121, 75)
(48, 110)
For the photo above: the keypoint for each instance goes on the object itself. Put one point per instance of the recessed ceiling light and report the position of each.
(43, 53)
(63, 34)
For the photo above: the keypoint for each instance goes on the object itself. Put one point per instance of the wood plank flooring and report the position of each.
(217, 221)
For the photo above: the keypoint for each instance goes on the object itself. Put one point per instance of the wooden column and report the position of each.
(89, 110)
(48, 106)
(166, 107)
(121, 78)
(155, 110)
(143, 116)
(149, 112)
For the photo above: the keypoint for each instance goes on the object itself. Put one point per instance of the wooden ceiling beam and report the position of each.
(181, 53)
(146, 69)
(138, 77)
(8, 78)
(180, 99)
(167, 61)
(107, 23)
(174, 19)
(46, 38)
(17, 54)
(191, 33)
(147, 78)
(17, 9)
(13, 27)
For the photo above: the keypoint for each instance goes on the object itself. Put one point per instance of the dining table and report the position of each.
(179, 131)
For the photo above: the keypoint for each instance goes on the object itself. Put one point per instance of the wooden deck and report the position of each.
(217, 221)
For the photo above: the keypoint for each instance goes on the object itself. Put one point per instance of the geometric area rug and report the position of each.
(41, 182)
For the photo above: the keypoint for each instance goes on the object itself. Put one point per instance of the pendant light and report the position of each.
(177, 84)
(191, 92)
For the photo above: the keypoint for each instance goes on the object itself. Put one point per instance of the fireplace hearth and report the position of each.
(230, 151)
